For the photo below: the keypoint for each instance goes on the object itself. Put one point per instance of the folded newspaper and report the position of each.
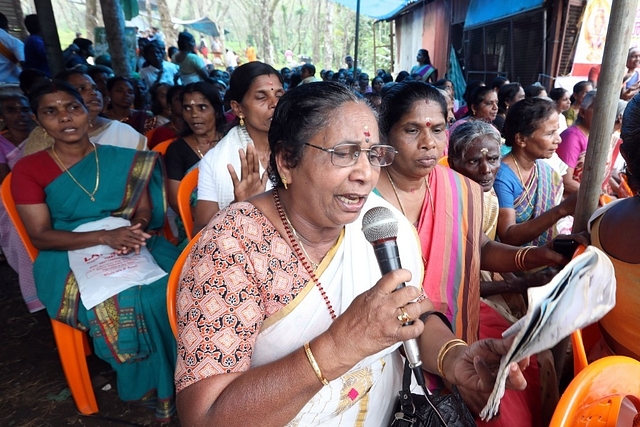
(579, 295)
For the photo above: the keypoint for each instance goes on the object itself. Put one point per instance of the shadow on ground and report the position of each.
(33, 390)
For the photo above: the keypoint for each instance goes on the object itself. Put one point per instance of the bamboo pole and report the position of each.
(621, 19)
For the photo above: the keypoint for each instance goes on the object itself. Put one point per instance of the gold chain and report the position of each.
(525, 188)
(95, 151)
(395, 191)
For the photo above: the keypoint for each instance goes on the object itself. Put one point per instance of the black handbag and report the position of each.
(414, 410)
(442, 410)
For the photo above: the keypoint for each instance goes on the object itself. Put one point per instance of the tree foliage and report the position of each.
(319, 29)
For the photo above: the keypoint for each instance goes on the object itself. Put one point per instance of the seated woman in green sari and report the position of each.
(63, 187)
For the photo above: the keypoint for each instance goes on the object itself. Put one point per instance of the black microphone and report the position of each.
(380, 227)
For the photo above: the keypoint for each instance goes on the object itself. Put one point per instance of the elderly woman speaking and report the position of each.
(284, 316)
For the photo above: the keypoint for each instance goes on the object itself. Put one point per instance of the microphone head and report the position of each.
(379, 223)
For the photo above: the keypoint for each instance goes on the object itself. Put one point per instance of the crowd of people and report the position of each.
(281, 290)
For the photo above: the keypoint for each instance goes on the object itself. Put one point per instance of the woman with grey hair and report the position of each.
(474, 151)
(573, 148)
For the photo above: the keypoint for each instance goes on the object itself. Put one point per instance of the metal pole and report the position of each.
(355, 53)
(50, 36)
(615, 54)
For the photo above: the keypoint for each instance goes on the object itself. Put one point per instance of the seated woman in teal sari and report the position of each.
(76, 182)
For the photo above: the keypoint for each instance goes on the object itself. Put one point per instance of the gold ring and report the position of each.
(404, 317)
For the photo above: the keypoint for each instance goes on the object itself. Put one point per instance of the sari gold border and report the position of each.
(139, 176)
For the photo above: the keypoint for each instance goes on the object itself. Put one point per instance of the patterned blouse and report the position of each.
(239, 273)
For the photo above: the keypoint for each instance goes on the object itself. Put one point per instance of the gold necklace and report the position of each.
(208, 143)
(395, 191)
(95, 151)
(525, 188)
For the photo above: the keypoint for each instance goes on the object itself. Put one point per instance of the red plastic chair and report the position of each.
(174, 281)
(595, 396)
(187, 185)
(73, 346)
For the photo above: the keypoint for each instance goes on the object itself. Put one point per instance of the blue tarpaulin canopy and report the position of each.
(485, 11)
(201, 25)
(378, 9)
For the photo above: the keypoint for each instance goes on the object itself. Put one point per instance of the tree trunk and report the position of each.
(114, 29)
(328, 36)
(170, 33)
(315, 41)
(176, 11)
(49, 29)
(267, 23)
(91, 18)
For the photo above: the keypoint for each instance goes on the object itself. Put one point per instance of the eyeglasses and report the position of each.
(348, 154)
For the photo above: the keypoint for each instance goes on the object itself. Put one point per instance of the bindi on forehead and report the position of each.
(366, 133)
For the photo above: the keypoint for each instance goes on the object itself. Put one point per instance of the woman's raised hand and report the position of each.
(126, 239)
(250, 182)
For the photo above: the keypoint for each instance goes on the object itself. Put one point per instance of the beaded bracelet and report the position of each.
(444, 350)
(314, 364)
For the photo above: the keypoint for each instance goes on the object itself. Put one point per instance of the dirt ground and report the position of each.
(33, 390)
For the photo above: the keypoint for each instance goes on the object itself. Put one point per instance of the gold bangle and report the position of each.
(444, 350)
(520, 257)
(314, 364)
(516, 258)
(524, 255)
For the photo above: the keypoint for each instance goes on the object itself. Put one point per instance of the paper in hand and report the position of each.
(579, 295)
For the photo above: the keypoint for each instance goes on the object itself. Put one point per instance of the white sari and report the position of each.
(366, 395)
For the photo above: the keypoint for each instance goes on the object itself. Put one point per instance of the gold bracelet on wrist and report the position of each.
(444, 350)
(314, 364)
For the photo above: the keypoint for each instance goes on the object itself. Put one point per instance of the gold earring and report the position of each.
(241, 120)
(284, 182)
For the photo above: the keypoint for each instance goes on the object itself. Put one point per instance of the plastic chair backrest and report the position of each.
(162, 147)
(583, 340)
(595, 396)
(149, 134)
(72, 344)
(605, 199)
(187, 185)
(10, 206)
(174, 281)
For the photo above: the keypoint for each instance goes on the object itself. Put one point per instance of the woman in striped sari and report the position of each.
(446, 209)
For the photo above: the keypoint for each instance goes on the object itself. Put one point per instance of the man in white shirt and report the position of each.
(158, 70)
(308, 74)
(11, 54)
